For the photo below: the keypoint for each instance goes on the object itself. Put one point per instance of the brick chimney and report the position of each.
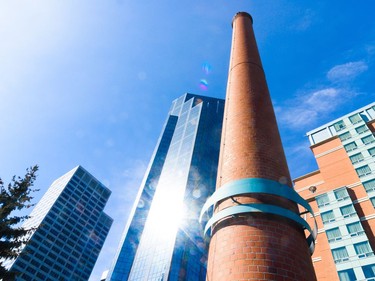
(257, 232)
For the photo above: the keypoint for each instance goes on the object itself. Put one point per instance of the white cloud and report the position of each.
(296, 117)
(323, 99)
(305, 21)
(346, 71)
(310, 106)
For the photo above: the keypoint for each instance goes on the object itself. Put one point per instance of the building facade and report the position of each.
(163, 238)
(342, 194)
(71, 229)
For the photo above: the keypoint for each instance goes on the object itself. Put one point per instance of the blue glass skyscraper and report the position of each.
(163, 238)
(71, 229)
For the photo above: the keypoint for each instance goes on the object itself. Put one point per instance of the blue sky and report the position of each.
(90, 82)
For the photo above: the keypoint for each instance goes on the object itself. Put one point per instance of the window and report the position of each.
(350, 146)
(363, 249)
(339, 126)
(327, 216)
(322, 200)
(340, 255)
(372, 151)
(347, 211)
(341, 194)
(372, 201)
(347, 275)
(26, 277)
(30, 270)
(361, 129)
(345, 136)
(355, 229)
(369, 139)
(369, 185)
(333, 234)
(363, 171)
(41, 276)
(356, 158)
(44, 268)
(369, 271)
(354, 119)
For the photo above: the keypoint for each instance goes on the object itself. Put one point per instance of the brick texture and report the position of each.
(254, 246)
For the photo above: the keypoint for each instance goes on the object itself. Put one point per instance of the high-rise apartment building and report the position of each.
(342, 194)
(71, 229)
(163, 238)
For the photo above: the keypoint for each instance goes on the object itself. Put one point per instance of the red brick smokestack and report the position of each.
(254, 245)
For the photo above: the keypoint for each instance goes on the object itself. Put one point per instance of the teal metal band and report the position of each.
(264, 208)
(265, 186)
(254, 185)
(256, 208)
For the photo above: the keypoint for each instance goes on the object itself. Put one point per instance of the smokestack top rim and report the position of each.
(242, 14)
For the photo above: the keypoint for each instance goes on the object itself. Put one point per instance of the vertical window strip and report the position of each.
(372, 151)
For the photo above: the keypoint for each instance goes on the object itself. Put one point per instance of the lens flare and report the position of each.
(203, 84)
(206, 68)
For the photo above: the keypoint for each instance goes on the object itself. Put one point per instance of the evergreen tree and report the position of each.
(14, 197)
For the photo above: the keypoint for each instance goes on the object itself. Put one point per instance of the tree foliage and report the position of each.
(14, 197)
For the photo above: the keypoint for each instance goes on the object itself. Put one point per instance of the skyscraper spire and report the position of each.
(257, 232)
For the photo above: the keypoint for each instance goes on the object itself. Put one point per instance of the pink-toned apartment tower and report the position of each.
(258, 243)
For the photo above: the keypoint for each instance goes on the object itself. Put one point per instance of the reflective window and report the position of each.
(345, 136)
(341, 194)
(369, 185)
(369, 270)
(361, 129)
(363, 249)
(372, 201)
(347, 210)
(327, 216)
(369, 139)
(372, 151)
(355, 229)
(340, 255)
(350, 146)
(339, 126)
(322, 200)
(363, 171)
(333, 234)
(356, 158)
(354, 119)
(347, 275)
